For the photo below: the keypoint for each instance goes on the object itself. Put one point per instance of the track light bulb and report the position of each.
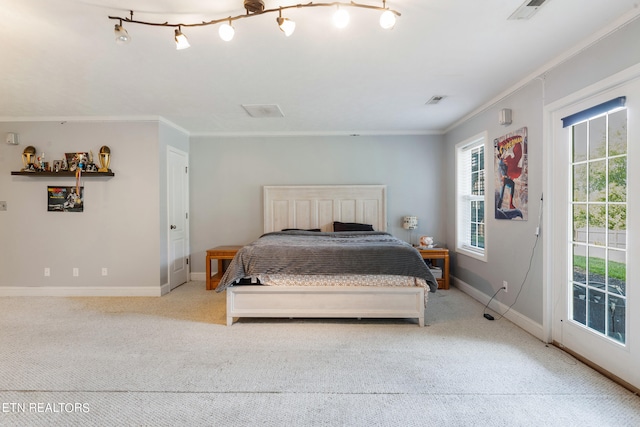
(122, 37)
(286, 25)
(341, 18)
(387, 20)
(181, 40)
(226, 32)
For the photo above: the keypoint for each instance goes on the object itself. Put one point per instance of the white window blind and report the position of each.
(470, 197)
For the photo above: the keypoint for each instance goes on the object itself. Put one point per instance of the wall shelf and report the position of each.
(61, 174)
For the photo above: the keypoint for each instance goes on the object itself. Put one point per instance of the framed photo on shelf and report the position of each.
(65, 199)
(74, 158)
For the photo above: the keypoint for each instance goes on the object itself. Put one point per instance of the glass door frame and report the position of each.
(556, 223)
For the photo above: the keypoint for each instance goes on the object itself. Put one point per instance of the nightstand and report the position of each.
(221, 253)
(439, 254)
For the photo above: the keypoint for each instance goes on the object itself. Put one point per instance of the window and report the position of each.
(470, 197)
(598, 273)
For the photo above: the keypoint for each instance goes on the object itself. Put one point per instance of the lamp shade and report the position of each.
(122, 36)
(286, 25)
(410, 222)
(226, 32)
(181, 40)
(387, 20)
(341, 18)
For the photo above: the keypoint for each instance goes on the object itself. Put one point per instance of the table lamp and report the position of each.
(410, 223)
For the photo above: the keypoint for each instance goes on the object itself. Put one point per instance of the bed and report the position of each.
(308, 270)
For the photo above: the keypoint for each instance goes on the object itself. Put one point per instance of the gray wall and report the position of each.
(119, 228)
(510, 243)
(227, 176)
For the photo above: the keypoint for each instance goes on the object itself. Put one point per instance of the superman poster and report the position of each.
(511, 196)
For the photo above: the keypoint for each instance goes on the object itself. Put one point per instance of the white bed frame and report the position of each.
(318, 207)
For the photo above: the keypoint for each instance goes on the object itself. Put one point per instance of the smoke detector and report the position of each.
(528, 9)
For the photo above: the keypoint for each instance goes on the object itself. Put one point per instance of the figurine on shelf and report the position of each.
(41, 163)
(91, 167)
(81, 161)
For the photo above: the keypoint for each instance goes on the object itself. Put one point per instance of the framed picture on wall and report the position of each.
(511, 176)
(65, 199)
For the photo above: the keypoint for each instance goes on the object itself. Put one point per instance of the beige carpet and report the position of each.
(171, 361)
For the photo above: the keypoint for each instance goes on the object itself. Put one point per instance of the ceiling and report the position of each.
(60, 62)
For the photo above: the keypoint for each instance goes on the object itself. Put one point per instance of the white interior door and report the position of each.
(595, 223)
(178, 205)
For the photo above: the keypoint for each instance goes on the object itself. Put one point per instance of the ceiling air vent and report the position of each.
(528, 9)
(262, 111)
(434, 100)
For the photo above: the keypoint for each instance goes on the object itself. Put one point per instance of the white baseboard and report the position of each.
(198, 277)
(512, 315)
(68, 291)
(165, 289)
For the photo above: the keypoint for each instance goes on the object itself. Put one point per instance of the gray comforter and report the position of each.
(307, 252)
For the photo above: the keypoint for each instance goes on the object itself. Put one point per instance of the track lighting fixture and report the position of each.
(122, 37)
(254, 8)
(181, 40)
(341, 18)
(286, 25)
(226, 31)
(387, 20)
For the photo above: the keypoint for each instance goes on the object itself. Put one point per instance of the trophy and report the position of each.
(28, 157)
(105, 158)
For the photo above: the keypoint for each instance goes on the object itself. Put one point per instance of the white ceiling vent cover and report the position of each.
(263, 111)
(528, 9)
(435, 99)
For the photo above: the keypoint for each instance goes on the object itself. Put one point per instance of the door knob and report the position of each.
(173, 227)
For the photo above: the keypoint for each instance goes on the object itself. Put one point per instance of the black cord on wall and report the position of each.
(535, 243)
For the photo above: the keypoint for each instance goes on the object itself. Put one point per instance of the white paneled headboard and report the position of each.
(318, 206)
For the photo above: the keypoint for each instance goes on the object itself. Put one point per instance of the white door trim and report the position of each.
(174, 150)
(607, 84)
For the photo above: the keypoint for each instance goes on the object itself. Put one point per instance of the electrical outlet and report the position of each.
(47, 272)
(505, 285)
(104, 271)
(76, 272)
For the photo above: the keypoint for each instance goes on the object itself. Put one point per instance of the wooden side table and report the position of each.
(221, 253)
(439, 254)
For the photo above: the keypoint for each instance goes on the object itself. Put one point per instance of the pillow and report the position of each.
(300, 229)
(351, 226)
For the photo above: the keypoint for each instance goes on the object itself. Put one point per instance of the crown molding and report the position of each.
(94, 119)
(314, 133)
